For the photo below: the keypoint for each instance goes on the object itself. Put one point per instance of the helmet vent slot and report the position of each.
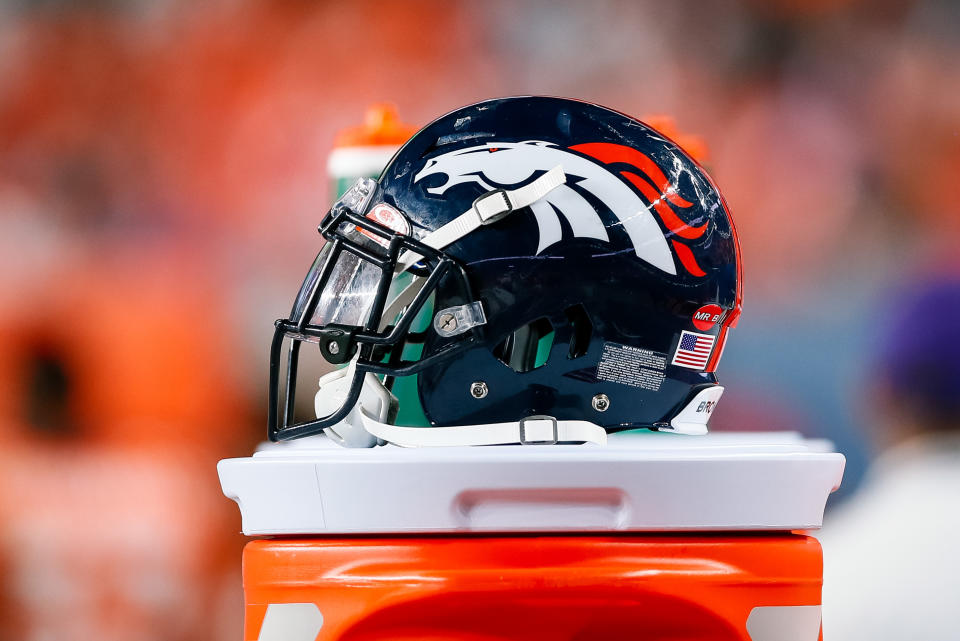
(581, 330)
(528, 347)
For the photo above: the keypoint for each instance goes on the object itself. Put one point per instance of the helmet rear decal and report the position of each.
(707, 316)
(632, 366)
(499, 165)
(693, 351)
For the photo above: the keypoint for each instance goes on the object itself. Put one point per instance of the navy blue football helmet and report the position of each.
(527, 270)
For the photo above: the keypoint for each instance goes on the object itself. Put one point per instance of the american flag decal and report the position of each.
(693, 351)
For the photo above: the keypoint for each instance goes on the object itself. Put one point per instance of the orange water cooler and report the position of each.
(653, 536)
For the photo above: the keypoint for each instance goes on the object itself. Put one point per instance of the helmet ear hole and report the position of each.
(527, 347)
(581, 330)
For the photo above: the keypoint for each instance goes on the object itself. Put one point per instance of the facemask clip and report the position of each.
(337, 344)
(456, 320)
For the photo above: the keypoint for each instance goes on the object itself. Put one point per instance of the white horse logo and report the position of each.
(497, 165)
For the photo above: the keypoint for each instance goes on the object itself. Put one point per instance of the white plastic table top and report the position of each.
(637, 482)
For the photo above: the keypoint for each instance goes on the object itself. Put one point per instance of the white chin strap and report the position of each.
(487, 209)
(535, 430)
(367, 424)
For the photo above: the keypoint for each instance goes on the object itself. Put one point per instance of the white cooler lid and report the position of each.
(639, 481)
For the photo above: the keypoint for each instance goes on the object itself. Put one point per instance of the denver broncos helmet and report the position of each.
(525, 270)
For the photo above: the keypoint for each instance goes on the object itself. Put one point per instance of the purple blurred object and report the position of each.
(920, 349)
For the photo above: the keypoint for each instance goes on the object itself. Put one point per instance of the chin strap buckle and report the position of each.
(492, 206)
(539, 430)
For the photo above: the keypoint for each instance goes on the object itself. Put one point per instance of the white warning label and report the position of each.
(632, 366)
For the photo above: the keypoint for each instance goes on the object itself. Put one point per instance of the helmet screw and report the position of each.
(448, 323)
(478, 389)
(601, 402)
(333, 347)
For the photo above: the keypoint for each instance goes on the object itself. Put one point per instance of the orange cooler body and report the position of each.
(532, 587)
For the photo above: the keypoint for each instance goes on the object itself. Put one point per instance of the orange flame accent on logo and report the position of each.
(658, 191)
(670, 219)
(687, 259)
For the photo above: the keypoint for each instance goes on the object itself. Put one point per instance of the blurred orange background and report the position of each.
(163, 170)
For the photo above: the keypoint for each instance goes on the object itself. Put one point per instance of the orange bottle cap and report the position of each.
(381, 126)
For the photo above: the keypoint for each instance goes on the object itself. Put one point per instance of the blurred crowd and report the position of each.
(163, 170)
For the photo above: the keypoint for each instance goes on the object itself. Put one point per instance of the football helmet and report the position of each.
(526, 270)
